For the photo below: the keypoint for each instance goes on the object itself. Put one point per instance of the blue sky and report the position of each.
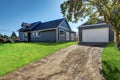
(14, 12)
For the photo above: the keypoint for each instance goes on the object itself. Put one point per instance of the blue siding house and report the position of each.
(51, 31)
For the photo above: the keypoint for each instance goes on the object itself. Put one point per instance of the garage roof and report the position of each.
(86, 24)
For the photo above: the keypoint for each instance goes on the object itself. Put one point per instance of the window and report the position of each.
(72, 36)
(34, 34)
(39, 33)
(25, 35)
(67, 35)
(61, 33)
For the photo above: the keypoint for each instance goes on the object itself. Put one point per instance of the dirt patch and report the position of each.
(72, 63)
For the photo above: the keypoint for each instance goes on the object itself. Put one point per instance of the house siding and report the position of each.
(64, 27)
(21, 37)
(46, 36)
(63, 37)
(111, 35)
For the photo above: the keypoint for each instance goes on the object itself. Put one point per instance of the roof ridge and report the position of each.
(54, 20)
(37, 23)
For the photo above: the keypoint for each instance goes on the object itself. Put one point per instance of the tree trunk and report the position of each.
(117, 42)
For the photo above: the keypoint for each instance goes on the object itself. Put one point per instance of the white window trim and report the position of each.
(35, 34)
(63, 32)
(38, 35)
(68, 37)
(32, 34)
(72, 36)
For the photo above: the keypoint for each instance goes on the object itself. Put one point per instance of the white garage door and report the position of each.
(95, 35)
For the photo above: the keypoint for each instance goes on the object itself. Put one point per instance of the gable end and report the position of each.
(64, 24)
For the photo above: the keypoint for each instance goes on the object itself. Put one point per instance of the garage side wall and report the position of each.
(80, 34)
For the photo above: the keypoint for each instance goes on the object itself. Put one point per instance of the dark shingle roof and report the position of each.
(98, 22)
(49, 24)
(41, 26)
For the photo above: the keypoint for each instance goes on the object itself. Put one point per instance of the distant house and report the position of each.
(51, 31)
(100, 32)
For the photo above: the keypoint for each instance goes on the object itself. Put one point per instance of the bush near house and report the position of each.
(111, 62)
(9, 39)
(1, 40)
(14, 56)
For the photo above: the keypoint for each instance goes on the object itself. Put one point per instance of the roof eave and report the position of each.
(91, 25)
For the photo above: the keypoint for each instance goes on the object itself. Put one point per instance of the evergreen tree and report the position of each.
(13, 36)
(1, 36)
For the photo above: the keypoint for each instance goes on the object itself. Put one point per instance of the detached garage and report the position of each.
(95, 33)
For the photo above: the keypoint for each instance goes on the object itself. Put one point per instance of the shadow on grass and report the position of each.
(41, 43)
(110, 72)
(48, 43)
(2, 44)
(111, 44)
(94, 45)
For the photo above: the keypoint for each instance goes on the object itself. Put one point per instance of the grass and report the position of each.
(14, 56)
(111, 62)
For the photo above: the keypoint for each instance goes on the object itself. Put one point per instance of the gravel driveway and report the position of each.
(72, 63)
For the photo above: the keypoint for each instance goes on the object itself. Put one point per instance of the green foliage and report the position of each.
(74, 10)
(108, 10)
(1, 36)
(111, 62)
(7, 39)
(4, 38)
(13, 36)
(14, 56)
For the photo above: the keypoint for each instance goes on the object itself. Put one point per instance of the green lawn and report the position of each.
(111, 62)
(13, 56)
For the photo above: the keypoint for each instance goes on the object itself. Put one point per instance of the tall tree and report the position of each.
(109, 10)
(13, 36)
(1, 36)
